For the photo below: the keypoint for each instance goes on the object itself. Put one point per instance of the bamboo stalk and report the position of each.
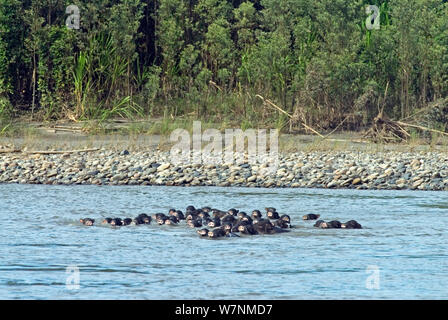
(309, 128)
(274, 105)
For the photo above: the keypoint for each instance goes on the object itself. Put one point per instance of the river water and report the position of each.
(401, 253)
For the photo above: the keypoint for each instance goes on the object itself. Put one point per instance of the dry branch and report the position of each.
(421, 128)
(215, 85)
(269, 102)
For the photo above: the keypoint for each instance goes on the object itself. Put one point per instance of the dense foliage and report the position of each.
(316, 60)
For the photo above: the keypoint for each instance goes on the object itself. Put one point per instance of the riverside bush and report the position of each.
(316, 60)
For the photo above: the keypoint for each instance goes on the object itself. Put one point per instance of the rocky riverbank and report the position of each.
(331, 169)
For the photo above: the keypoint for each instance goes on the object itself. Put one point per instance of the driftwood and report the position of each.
(10, 150)
(385, 130)
(326, 137)
(69, 129)
(61, 152)
(56, 129)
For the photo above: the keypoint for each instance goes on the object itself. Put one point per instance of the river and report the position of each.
(401, 253)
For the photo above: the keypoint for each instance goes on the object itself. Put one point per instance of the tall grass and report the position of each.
(82, 84)
(98, 80)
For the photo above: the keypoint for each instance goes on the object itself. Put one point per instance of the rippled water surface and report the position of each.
(405, 237)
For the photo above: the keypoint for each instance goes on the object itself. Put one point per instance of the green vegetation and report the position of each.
(209, 59)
